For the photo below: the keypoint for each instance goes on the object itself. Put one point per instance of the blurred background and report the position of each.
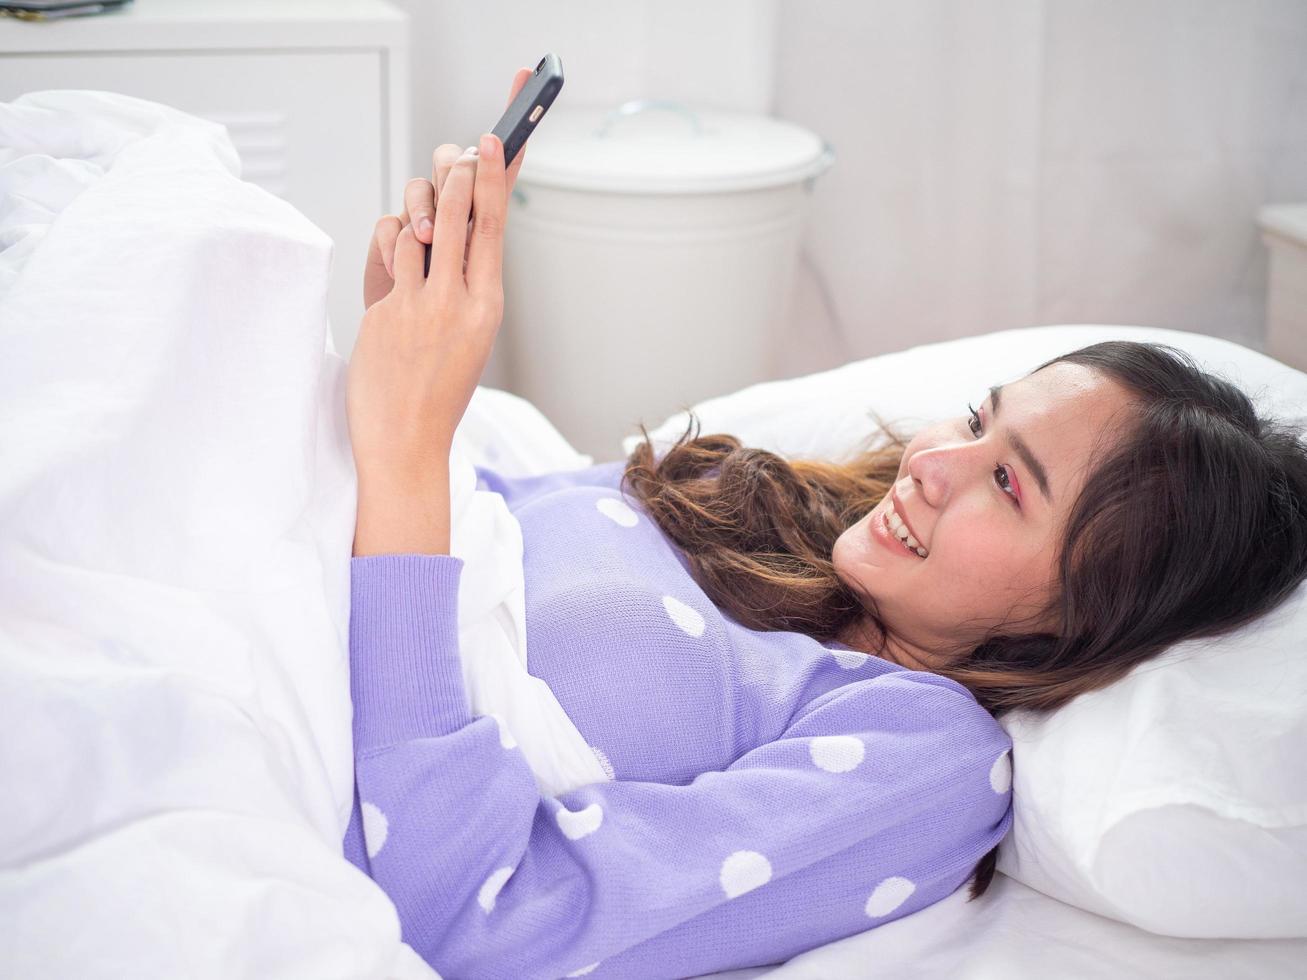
(991, 164)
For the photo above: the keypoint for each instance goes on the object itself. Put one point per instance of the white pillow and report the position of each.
(1175, 799)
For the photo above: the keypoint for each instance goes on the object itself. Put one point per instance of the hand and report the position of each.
(420, 196)
(421, 350)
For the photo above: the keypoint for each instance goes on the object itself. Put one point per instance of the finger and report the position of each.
(489, 210)
(420, 206)
(441, 161)
(452, 211)
(408, 259)
(375, 257)
(383, 240)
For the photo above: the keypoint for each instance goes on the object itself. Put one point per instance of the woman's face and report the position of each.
(986, 497)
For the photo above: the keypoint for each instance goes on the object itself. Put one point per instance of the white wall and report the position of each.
(999, 163)
(1004, 164)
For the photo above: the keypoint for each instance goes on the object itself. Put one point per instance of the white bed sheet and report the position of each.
(1016, 933)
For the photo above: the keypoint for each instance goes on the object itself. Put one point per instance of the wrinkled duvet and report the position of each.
(177, 499)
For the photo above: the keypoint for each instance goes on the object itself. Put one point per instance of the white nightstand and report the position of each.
(1284, 230)
(314, 95)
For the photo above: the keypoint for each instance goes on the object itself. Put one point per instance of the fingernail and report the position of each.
(488, 147)
(425, 225)
(471, 151)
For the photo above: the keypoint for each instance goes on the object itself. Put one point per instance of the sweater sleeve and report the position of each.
(824, 832)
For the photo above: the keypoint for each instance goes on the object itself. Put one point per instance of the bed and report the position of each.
(176, 512)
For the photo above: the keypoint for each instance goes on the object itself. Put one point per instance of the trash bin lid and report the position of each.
(659, 147)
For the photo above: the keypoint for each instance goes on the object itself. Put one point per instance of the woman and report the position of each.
(791, 670)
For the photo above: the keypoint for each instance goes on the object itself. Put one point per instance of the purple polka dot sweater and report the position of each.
(771, 793)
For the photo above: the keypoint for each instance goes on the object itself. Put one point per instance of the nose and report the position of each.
(941, 469)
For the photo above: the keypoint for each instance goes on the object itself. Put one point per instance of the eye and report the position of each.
(1003, 481)
(974, 422)
(1000, 471)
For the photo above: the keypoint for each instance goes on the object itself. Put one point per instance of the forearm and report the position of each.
(400, 513)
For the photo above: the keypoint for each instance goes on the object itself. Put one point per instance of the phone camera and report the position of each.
(539, 66)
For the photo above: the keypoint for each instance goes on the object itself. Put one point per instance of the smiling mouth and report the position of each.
(884, 528)
(898, 526)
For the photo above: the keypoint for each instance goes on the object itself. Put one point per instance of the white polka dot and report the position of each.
(889, 895)
(1000, 774)
(585, 969)
(683, 616)
(582, 822)
(490, 890)
(836, 753)
(375, 828)
(849, 659)
(603, 761)
(482, 485)
(505, 736)
(619, 512)
(744, 871)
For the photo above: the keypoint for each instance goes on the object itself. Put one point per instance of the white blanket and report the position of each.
(492, 602)
(177, 502)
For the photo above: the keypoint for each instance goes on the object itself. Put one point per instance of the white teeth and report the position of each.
(900, 530)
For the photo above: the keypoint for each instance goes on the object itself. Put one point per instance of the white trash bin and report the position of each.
(649, 261)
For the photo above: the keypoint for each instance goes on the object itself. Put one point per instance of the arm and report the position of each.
(491, 878)
(421, 348)
(398, 514)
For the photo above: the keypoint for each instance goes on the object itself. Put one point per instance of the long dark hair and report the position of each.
(1194, 524)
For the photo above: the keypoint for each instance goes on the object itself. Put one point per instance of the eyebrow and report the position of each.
(1027, 457)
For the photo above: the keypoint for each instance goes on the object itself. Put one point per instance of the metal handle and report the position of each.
(644, 105)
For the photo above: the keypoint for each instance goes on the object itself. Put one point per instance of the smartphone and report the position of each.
(524, 114)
